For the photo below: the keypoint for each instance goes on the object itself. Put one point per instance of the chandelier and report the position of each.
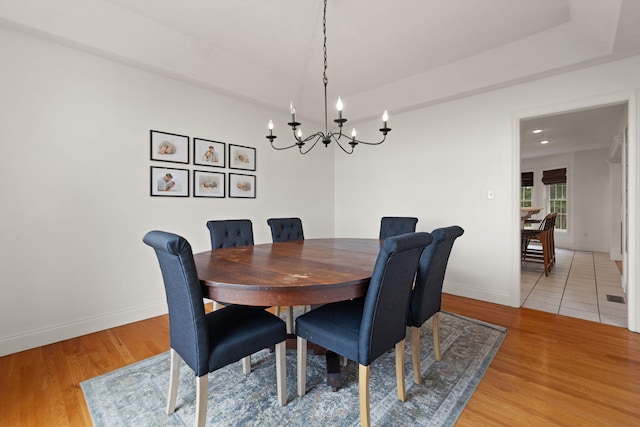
(347, 144)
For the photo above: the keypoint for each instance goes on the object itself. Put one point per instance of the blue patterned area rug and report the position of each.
(136, 394)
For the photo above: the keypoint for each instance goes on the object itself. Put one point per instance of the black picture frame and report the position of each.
(241, 157)
(158, 182)
(169, 147)
(208, 184)
(242, 186)
(202, 156)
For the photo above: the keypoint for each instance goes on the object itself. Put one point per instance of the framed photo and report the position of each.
(242, 157)
(208, 153)
(208, 184)
(169, 182)
(241, 185)
(169, 147)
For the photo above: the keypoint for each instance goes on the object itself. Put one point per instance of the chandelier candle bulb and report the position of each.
(293, 112)
(385, 118)
(339, 107)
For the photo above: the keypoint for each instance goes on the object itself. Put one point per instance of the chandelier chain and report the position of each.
(324, 46)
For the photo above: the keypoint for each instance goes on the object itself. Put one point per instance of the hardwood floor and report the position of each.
(550, 370)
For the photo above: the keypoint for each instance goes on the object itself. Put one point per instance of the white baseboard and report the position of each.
(43, 336)
(475, 293)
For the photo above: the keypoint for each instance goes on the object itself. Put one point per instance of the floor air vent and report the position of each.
(615, 298)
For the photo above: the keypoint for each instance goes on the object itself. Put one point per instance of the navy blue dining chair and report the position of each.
(365, 328)
(208, 342)
(230, 232)
(286, 229)
(426, 298)
(396, 225)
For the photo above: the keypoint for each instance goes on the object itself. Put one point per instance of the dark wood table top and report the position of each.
(301, 272)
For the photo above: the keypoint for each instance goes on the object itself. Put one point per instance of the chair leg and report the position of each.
(289, 320)
(174, 379)
(246, 365)
(436, 336)
(281, 372)
(302, 366)
(400, 370)
(363, 381)
(415, 354)
(202, 393)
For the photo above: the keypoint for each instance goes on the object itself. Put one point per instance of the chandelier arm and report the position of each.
(372, 143)
(282, 148)
(337, 140)
(309, 148)
(319, 135)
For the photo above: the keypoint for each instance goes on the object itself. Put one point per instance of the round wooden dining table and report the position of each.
(299, 272)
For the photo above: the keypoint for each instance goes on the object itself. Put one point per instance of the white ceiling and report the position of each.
(382, 54)
(586, 129)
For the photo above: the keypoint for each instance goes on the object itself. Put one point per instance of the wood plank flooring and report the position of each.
(550, 370)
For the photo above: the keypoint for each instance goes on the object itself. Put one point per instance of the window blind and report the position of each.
(554, 176)
(526, 179)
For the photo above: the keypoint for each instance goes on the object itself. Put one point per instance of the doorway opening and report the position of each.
(589, 144)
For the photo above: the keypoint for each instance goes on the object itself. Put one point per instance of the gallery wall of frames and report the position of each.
(198, 167)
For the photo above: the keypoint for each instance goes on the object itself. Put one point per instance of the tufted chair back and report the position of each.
(231, 232)
(285, 229)
(396, 225)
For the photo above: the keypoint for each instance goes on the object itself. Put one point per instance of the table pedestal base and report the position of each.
(334, 376)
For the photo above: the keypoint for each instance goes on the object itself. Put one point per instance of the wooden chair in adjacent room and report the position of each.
(543, 238)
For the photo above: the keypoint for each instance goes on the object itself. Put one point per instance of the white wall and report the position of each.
(588, 197)
(440, 161)
(591, 204)
(74, 131)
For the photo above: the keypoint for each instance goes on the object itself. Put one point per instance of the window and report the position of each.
(526, 189)
(556, 182)
(558, 204)
(525, 196)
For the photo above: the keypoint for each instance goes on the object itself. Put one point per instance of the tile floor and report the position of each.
(577, 286)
